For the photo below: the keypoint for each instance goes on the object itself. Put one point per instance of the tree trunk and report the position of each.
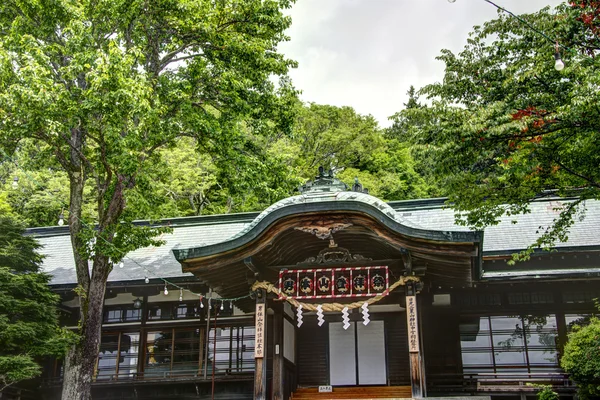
(81, 361)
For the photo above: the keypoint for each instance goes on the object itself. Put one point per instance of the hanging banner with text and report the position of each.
(332, 283)
(413, 325)
(259, 341)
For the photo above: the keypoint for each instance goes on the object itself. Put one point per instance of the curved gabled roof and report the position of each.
(324, 202)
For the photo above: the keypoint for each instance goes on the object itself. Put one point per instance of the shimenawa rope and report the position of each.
(269, 287)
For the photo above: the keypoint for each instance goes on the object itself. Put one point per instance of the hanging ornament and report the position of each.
(306, 285)
(345, 318)
(166, 290)
(320, 315)
(342, 284)
(359, 283)
(365, 313)
(289, 287)
(299, 317)
(377, 283)
(324, 284)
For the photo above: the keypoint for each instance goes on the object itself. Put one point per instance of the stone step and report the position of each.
(355, 393)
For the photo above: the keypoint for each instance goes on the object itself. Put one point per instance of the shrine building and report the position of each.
(335, 294)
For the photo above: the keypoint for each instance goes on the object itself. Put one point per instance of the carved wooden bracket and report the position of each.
(322, 228)
(334, 255)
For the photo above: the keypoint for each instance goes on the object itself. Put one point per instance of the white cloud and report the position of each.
(366, 53)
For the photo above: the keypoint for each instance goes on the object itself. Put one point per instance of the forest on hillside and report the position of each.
(256, 171)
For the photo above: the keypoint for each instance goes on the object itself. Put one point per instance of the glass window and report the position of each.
(114, 315)
(186, 350)
(173, 352)
(128, 361)
(509, 343)
(122, 314)
(159, 346)
(577, 319)
(580, 296)
(164, 311)
(118, 356)
(133, 314)
(234, 348)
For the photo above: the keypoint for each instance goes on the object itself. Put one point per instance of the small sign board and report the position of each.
(325, 389)
(259, 342)
(413, 324)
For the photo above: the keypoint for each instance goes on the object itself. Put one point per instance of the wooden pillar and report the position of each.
(278, 388)
(260, 351)
(414, 342)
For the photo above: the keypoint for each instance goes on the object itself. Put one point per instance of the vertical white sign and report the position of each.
(259, 341)
(412, 323)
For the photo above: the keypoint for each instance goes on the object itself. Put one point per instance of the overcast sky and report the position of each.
(367, 53)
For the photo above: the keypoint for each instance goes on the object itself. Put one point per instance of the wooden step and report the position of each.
(354, 392)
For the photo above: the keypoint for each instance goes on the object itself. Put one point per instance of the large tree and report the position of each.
(504, 126)
(353, 145)
(102, 86)
(581, 357)
(29, 327)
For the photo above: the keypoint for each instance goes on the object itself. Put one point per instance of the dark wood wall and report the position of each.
(312, 354)
(397, 349)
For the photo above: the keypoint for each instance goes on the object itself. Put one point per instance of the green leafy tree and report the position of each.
(104, 86)
(29, 327)
(581, 357)
(504, 126)
(353, 146)
(409, 120)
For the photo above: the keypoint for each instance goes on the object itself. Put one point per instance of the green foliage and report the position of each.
(352, 145)
(18, 253)
(104, 87)
(504, 127)
(29, 326)
(546, 393)
(581, 357)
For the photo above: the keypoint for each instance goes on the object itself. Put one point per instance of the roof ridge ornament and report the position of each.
(327, 182)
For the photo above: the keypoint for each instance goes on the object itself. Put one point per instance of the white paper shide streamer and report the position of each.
(345, 318)
(320, 315)
(365, 313)
(299, 317)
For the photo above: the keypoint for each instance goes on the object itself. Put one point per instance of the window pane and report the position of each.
(576, 319)
(234, 350)
(507, 333)
(114, 315)
(475, 341)
(158, 353)
(133, 314)
(481, 358)
(507, 324)
(107, 357)
(186, 353)
(545, 358)
(475, 333)
(512, 357)
(130, 343)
